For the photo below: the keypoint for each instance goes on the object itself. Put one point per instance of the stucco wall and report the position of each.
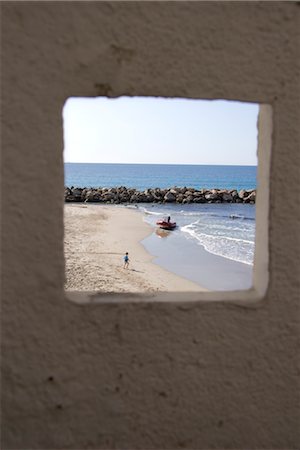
(205, 375)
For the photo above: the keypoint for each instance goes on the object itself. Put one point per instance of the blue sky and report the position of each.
(160, 131)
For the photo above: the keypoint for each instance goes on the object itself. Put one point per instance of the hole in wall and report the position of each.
(130, 162)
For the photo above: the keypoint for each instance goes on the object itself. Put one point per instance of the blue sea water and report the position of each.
(224, 230)
(143, 176)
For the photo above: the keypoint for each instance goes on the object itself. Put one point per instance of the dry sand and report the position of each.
(96, 239)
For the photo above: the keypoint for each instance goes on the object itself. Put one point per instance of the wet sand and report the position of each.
(188, 259)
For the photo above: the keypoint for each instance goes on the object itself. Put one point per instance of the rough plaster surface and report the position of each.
(142, 376)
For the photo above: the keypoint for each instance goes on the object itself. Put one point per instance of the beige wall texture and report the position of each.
(164, 375)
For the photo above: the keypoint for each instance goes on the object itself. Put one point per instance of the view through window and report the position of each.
(170, 183)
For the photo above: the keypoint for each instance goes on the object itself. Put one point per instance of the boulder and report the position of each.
(169, 197)
(141, 197)
(157, 198)
(124, 197)
(89, 196)
(189, 198)
(97, 197)
(250, 198)
(133, 198)
(150, 198)
(199, 199)
(189, 192)
(179, 198)
(76, 192)
(242, 193)
(69, 198)
(108, 196)
(227, 197)
(234, 195)
(211, 197)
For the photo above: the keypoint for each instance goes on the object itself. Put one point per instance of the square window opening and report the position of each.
(166, 199)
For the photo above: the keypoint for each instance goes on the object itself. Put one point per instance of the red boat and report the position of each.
(165, 224)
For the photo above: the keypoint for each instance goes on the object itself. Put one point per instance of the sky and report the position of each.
(160, 131)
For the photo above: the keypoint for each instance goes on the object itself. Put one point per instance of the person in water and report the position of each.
(126, 261)
(169, 218)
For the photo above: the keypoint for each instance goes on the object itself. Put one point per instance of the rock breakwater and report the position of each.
(122, 194)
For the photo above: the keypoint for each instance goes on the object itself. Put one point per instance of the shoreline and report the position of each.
(96, 239)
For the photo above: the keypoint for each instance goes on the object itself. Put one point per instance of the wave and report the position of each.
(187, 228)
(151, 213)
(130, 206)
(235, 249)
(211, 214)
(220, 227)
(237, 216)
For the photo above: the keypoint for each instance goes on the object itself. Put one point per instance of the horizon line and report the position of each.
(161, 164)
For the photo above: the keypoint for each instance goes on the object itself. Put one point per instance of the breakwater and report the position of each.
(122, 194)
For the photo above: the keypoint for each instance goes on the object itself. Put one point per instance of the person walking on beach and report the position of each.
(126, 261)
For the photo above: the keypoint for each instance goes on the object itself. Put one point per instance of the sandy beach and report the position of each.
(96, 239)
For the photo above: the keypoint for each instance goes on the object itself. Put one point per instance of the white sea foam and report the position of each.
(236, 249)
(150, 213)
(232, 217)
(129, 206)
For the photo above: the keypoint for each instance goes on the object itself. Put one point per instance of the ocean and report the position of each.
(226, 231)
(143, 176)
